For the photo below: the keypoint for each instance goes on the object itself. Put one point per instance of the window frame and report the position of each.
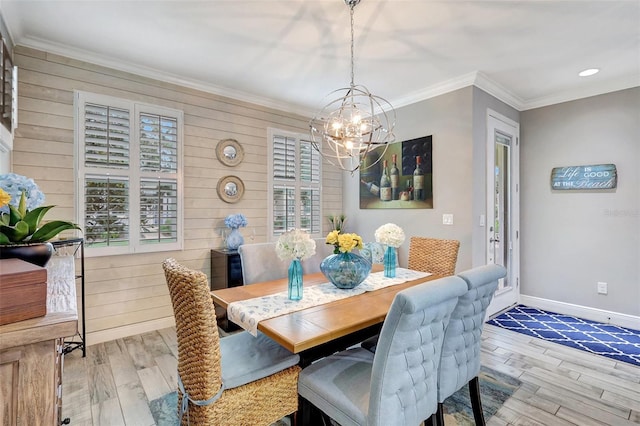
(134, 175)
(296, 183)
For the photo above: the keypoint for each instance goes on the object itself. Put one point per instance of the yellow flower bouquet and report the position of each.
(343, 243)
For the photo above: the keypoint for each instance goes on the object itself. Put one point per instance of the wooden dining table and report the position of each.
(323, 329)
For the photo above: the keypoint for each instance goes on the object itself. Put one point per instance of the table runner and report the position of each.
(248, 313)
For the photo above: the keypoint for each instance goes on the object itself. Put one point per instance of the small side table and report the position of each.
(226, 271)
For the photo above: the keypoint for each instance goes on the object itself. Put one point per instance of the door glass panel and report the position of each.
(501, 243)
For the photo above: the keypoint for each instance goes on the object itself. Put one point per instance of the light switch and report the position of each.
(447, 219)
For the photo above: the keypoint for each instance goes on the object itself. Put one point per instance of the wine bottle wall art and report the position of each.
(399, 178)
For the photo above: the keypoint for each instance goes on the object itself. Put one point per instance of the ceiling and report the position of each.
(291, 53)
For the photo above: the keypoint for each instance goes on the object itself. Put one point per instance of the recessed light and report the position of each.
(588, 72)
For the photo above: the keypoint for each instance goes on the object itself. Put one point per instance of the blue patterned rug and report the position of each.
(612, 341)
(495, 388)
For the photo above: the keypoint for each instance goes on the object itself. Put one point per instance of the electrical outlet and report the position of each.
(602, 288)
(447, 219)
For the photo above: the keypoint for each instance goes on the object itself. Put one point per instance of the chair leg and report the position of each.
(476, 403)
(310, 415)
(431, 421)
(439, 415)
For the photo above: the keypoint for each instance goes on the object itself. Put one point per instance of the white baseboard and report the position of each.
(129, 330)
(593, 314)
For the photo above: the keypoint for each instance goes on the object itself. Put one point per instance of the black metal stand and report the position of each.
(72, 345)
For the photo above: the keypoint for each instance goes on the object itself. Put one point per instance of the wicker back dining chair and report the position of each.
(236, 380)
(433, 255)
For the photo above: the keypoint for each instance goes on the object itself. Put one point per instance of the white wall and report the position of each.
(573, 239)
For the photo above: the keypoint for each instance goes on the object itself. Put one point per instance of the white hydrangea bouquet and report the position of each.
(295, 244)
(390, 235)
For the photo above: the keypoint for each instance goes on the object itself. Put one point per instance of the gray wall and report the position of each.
(458, 123)
(448, 118)
(570, 240)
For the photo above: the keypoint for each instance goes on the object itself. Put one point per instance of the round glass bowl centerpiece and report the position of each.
(345, 270)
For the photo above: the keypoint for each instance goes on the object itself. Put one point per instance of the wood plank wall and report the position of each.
(127, 294)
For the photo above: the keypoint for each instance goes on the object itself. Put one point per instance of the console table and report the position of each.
(31, 367)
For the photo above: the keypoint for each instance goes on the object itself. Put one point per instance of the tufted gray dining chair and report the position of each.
(432, 255)
(261, 263)
(398, 384)
(460, 362)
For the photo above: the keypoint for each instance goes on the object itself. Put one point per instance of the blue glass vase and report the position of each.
(345, 270)
(295, 280)
(390, 262)
(234, 239)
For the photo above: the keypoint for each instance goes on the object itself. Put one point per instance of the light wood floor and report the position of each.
(560, 385)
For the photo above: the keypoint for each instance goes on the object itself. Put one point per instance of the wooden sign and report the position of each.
(598, 176)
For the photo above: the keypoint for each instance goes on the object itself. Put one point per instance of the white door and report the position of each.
(503, 244)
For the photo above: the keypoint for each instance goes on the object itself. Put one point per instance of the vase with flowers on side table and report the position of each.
(234, 238)
(22, 233)
(294, 246)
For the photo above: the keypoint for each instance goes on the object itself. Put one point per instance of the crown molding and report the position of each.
(498, 91)
(6, 32)
(435, 90)
(475, 78)
(626, 82)
(117, 64)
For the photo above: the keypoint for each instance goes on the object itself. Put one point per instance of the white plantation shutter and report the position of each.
(309, 163)
(284, 158)
(295, 184)
(106, 216)
(106, 136)
(158, 143)
(129, 163)
(158, 211)
(284, 209)
(310, 214)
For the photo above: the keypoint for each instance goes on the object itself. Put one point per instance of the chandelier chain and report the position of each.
(352, 61)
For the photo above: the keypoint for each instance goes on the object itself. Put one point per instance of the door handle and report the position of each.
(494, 240)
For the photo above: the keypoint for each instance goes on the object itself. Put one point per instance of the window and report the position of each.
(294, 185)
(129, 175)
(8, 88)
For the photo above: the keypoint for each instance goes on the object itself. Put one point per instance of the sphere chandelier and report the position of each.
(352, 123)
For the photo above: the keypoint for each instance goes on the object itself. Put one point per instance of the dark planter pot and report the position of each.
(38, 253)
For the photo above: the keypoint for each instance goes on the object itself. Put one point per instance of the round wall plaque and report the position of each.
(229, 152)
(230, 189)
